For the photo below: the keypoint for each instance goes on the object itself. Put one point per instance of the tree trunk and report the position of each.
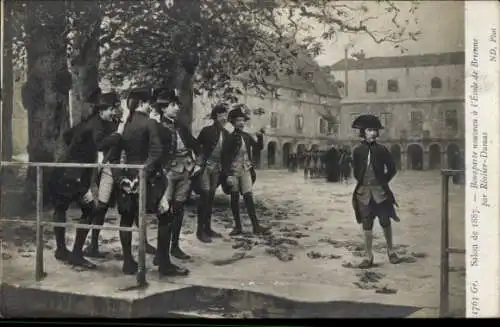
(84, 64)
(7, 86)
(187, 48)
(45, 93)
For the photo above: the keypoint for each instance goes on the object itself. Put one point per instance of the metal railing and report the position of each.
(446, 250)
(39, 271)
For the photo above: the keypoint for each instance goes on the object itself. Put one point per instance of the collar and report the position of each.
(369, 144)
(169, 120)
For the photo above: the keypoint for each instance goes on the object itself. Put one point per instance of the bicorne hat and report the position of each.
(102, 101)
(164, 96)
(218, 109)
(367, 121)
(141, 93)
(239, 110)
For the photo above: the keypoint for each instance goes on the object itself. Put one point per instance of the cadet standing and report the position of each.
(211, 139)
(68, 185)
(373, 169)
(182, 165)
(140, 144)
(237, 150)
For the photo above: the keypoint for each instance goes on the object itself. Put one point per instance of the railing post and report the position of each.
(39, 274)
(444, 296)
(141, 272)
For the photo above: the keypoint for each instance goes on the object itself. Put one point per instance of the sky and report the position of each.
(441, 24)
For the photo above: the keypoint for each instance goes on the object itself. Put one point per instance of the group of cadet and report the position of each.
(149, 133)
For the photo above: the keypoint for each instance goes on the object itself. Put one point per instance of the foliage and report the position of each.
(221, 40)
(143, 41)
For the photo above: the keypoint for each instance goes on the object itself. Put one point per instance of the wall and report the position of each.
(414, 82)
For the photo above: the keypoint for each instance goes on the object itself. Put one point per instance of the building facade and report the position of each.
(300, 112)
(419, 99)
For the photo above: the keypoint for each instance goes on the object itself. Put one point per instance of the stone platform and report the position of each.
(174, 300)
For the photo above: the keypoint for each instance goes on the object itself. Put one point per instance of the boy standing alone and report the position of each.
(373, 169)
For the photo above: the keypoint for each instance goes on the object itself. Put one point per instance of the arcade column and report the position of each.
(404, 160)
(425, 159)
(444, 160)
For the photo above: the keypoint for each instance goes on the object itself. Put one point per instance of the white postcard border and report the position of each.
(482, 158)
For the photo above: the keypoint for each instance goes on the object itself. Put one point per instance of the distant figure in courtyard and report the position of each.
(294, 161)
(332, 167)
(373, 169)
(345, 165)
(309, 164)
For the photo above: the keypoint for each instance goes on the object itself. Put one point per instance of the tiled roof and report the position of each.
(429, 59)
(320, 83)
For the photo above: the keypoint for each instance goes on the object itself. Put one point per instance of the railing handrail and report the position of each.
(452, 172)
(39, 272)
(70, 165)
(446, 250)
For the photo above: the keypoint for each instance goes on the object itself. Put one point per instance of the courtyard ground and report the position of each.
(311, 256)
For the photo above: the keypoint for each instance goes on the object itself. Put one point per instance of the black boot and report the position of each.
(130, 266)
(77, 258)
(257, 228)
(165, 267)
(149, 248)
(208, 226)
(235, 208)
(92, 251)
(202, 215)
(176, 251)
(62, 253)
(164, 224)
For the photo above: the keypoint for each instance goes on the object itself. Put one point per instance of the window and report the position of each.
(333, 126)
(371, 86)
(274, 120)
(299, 123)
(309, 76)
(385, 119)
(451, 119)
(417, 120)
(436, 83)
(322, 126)
(392, 85)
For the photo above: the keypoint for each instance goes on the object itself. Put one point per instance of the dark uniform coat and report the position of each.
(142, 145)
(383, 168)
(83, 141)
(230, 149)
(208, 139)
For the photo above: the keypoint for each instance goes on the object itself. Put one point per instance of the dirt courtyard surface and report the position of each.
(312, 254)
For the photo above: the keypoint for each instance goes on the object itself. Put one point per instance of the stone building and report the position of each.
(301, 112)
(419, 99)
